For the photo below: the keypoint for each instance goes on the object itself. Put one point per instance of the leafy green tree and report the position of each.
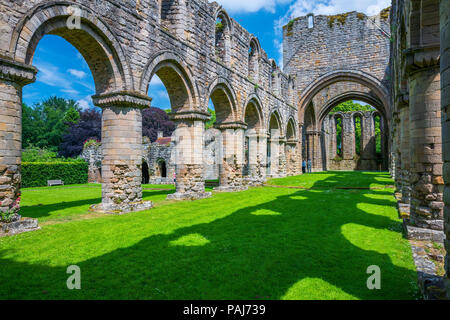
(45, 123)
(211, 122)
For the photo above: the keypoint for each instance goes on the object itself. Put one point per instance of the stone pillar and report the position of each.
(348, 136)
(282, 158)
(122, 151)
(426, 216)
(369, 138)
(13, 76)
(189, 142)
(317, 154)
(293, 166)
(231, 168)
(333, 138)
(445, 103)
(300, 148)
(405, 160)
(262, 157)
(273, 162)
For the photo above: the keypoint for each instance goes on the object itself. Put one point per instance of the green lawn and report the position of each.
(264, 243)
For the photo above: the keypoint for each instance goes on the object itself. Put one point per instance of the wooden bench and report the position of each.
(52, 183)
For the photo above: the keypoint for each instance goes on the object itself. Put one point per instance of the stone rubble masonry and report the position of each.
(445, 103)
(13, 76)
(122, 151)
(189, 142)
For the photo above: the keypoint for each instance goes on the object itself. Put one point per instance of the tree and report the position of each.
(154, 120)
(211, 122)
(88, 126)
(46, 122)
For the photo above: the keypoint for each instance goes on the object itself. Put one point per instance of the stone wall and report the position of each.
(367, 158)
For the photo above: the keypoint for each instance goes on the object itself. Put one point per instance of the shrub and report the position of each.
(92, 142)
(36, 174)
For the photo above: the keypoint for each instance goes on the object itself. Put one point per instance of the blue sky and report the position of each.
(64, 73)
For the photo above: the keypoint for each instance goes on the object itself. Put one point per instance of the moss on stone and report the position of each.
(360, 15)
(341, 18)
(384, 14)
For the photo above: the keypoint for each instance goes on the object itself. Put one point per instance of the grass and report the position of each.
(264, 243)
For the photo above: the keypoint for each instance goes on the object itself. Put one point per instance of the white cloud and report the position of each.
(369, 7)
(85, 103)
(77, 73)
(234, 6)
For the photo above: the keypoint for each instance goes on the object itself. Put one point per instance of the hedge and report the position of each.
(36, 174)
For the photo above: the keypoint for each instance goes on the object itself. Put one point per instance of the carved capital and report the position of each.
(421, 57)
(19, 73)
(192, 115)
(122, 99)
(231, 125)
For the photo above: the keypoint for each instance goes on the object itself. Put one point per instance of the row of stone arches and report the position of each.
(122, 95)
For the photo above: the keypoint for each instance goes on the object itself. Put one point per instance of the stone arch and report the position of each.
(223, 36)
(254, 56)
(95, 41)
(224, 100)
(176, 77)
(291, 131)
(253, 115)
(365, 79)
(350, 95)
(275, 123)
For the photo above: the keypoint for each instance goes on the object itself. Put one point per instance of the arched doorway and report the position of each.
(145, 173)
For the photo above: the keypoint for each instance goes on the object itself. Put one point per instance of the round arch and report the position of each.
(291, 129)
(95, 41)
(253, 115)
(275, 119)
(224, 99)
(351, 95)
(176, 77)
(365, 79)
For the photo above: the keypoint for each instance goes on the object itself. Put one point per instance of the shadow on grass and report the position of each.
(46, 210)
(260, 251)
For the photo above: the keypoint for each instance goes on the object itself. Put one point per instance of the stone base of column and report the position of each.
(417, 233)
(189, 195)
(122, 208)
(230, 188)
(253, 181)
(20, 226)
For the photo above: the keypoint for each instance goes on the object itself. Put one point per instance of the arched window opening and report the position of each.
(358, 132)
(253, 61)
(310, 21)
(162, 168)
(377, 124)
(339, 137)
(222, 38)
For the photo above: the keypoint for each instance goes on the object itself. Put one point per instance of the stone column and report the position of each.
(293, 166)
(310, 146)
(231, 168)
(282, 157)
(300, 148)
(426, 216)
(445, 103)
(348, 134)
(405, 160)
(274, 161)
(317, 153)
(122, 151)
(13, 76)
(189, 141)
(262, 157)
